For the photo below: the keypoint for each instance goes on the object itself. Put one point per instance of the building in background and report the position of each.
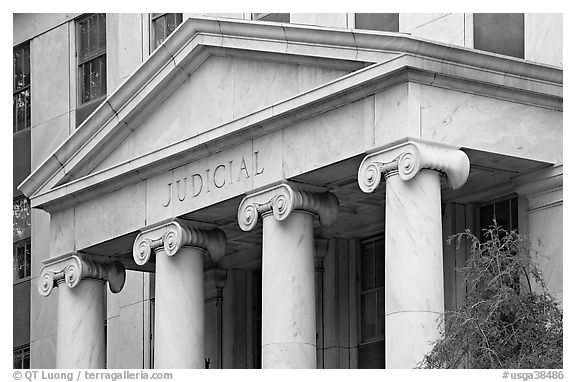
(270, 189)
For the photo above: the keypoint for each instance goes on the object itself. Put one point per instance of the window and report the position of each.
(21, 87)
(501, 33)
(21, 238)
(21, 259)
(371, 351)
(163, 24)
(276, 17)
(91, 56)
(21, 357)
(504, 211)
(387, 22)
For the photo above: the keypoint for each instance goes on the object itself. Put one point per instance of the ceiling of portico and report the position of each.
(360, 215)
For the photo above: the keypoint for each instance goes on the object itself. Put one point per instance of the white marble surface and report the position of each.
(118, 212)
(81, 342)
(126, 341)
(261, 83)
(179, 319)
(446, 28)
(410, 21)
(46, 137)
(47, 348)
(397, 113)
(337, 20)
(351, 124)
(546, 227)
(414, 286)
(50, 75)
(288, 295)
(543, 38)
(124, 51)
(489, 124)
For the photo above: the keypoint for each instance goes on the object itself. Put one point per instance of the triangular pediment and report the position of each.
(211, 79)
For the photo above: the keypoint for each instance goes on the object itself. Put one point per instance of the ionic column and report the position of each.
(288, 295)
(414, 292)
(179, 317)
(80, 337)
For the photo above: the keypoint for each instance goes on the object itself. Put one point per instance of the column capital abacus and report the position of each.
(71, 268)
(408, 158)
(281, 200)
(175, 234)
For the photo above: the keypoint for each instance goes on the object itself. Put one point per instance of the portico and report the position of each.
(197, 186)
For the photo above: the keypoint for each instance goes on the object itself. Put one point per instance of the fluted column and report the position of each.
(80, 337)
(414, 291)
(288, 295)
(179, 319)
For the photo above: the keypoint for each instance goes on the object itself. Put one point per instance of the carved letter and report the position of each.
(243, 167)
(257, 172)
(208, 181)
(178, 189)
(223, 178)
(230, 163)
(169, 195)
(194, 192)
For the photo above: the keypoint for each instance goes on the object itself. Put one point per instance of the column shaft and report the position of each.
(414, 274)
(288, 295)
(81, 340)
(179, 325)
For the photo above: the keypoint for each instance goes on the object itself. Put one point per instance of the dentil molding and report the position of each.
(408, 158)
(281, 200)
(71, 268)
(175, 234)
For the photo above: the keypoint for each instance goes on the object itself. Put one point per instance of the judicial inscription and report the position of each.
(212, 179)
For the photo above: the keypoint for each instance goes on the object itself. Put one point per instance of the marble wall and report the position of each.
(448, 28)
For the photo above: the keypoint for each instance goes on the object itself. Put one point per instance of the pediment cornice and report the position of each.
(66, 177)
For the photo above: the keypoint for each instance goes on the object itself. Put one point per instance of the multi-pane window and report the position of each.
(21, 357)
(387, 22)
(21, 259)
(499, 33)
(91, 53)
(21, 87)
(21, 238)
(504, 211)
(371, 351)
(163, 24)
(276, 17)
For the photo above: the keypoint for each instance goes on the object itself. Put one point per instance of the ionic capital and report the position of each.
(281, 200)
(408, 158)
(175, 234)
(73, 267)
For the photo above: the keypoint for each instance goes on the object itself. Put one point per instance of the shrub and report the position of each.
(505, 322)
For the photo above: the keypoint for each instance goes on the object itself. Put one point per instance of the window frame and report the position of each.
(375, 289)
(20, 353)
(81, 62)
(25, 88)
(153, 18)
(24, 243)
(262, 16)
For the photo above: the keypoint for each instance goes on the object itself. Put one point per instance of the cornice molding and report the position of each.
(73, 267)
(172, 236)
(409, 157)
(281, 200)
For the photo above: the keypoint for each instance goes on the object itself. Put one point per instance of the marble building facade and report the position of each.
(276, 193)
